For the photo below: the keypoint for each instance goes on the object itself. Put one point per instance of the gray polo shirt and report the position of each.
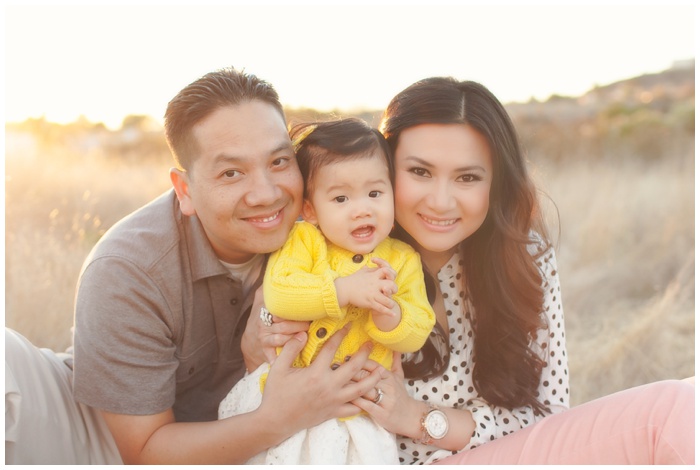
(158, 319)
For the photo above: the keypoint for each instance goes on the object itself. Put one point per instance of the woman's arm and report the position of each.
(478, 421)
(401, 414)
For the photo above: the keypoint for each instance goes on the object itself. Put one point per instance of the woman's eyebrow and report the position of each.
(422, 162)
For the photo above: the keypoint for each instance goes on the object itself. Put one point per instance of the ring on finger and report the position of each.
(380, 395)
(265, 316)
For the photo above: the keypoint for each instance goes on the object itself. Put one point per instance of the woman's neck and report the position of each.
(434, 261)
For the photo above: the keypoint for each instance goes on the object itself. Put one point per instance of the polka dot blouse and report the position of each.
(456, 389)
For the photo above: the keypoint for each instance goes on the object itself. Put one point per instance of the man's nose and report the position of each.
(262, 189)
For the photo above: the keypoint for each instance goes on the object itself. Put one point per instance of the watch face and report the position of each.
(436, 424)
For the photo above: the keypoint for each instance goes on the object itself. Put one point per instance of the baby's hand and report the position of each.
(369, 288)
(372, 288)
(366, 289)
(388, 273)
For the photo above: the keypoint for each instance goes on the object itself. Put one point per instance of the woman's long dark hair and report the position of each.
(504, 283)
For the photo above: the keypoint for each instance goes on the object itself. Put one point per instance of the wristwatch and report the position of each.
(434, 425)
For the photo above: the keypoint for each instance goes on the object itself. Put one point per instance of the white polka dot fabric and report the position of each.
(455, 388)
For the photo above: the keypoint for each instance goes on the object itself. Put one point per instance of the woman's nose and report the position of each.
(440, 197)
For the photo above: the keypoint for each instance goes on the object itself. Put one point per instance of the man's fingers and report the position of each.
(270, 354)
(327, 352)
(291, 349)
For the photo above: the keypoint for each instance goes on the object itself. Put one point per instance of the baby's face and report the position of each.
(353, 203)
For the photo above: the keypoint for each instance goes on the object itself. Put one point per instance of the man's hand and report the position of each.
(259, 343)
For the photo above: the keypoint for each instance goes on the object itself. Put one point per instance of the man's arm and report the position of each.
(285, 409)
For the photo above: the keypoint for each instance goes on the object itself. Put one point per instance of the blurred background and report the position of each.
(603, 98)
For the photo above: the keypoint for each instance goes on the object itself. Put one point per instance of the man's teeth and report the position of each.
(267, 219)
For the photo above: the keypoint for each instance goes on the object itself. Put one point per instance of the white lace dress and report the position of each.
(357, 440)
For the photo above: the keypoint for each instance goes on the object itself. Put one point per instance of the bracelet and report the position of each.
(425, 438)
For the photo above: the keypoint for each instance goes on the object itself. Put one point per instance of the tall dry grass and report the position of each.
(56, 209)
(625, 253)
(626, 259)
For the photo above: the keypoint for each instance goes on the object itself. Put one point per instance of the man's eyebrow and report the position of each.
(287, 145)
(233, 158)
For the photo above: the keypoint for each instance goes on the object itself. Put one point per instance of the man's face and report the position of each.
(244, 184)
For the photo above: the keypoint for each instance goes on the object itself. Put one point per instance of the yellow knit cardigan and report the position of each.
(299, 285)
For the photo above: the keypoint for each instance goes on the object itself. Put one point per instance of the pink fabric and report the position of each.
(649, 424)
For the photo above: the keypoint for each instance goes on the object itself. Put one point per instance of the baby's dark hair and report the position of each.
(323, 143)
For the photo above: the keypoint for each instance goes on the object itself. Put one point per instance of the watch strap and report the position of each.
(426, 438)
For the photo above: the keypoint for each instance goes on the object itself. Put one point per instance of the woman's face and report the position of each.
(443, 179)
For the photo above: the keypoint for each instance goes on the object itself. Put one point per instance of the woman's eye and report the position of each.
(469, 178)
(341, 199)
(419, 171)
(374, 194)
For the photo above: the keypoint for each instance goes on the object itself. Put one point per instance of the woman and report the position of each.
(491, 385)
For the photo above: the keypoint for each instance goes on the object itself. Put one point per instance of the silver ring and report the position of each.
(265, 316)
(380, 395)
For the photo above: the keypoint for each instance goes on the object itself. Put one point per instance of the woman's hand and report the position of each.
(259, 343)
(396, 412)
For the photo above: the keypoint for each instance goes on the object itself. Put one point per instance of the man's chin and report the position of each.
(270, 242)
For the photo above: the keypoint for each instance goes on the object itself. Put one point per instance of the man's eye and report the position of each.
(280, 161)
(231, 173)
(341, 199)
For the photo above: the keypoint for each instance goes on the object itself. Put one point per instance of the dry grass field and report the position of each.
(625, 248)
(626, 257)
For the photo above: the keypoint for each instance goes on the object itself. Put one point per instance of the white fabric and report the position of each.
(358, 440)
(455, 388)
(43, 423)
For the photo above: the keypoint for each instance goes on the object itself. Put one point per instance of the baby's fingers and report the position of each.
(384, 306)
(385, 269)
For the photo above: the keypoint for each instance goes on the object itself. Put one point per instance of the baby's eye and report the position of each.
(340, 198)
(374, 193)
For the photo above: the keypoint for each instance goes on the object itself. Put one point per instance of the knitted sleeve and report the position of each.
(417, 316)
(299, 283)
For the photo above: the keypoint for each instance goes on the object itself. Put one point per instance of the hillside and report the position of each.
(649, 116)
(616, 171)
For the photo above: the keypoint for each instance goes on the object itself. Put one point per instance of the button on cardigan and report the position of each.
(299, 285)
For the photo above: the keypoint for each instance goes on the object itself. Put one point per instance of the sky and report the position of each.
(105, 62)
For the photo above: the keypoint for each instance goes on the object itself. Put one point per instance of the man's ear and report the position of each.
(308, 212)
(181, 184)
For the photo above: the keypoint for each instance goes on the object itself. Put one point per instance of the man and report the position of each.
(162, 306)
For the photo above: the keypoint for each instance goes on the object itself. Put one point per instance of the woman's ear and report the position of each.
(180, 180)
(308, 212)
